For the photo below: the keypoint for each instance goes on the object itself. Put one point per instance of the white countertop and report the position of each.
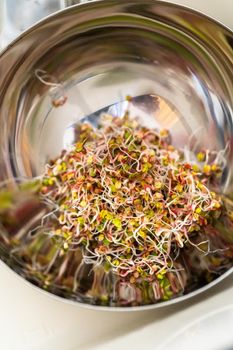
(31, 320)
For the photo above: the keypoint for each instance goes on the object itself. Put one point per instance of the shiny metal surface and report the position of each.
(19, 15)
(98, 53)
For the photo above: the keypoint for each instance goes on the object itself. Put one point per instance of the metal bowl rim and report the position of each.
(161, 304)
(89, 4)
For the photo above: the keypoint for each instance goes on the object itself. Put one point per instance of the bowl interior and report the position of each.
(176, 64)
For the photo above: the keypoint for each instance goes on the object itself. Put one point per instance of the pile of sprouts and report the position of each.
(126, 195)
(131, 205)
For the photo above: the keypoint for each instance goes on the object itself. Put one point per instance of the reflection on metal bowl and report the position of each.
(175, 63)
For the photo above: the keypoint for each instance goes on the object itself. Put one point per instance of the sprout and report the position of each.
(128, 200)
(122, 191)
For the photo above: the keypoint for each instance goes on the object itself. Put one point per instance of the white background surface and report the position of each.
(31, 320)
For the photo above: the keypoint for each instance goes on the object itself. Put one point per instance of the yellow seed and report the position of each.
(195, 167)
(104, 297)
(217, 205)
(74, 194)
(198, 210)
(179, 188)
(200, 186)
(89, 160)
(70, 176)
(206, 168)
(201, 156)
(159, 205)
(142, 234)
(139, 269)
(101, 237)
(116, 262)
(183, 174)
(132, 223)
(214, 167)
(50, 181)
(83, 204)
(59, 167)
(118, 185)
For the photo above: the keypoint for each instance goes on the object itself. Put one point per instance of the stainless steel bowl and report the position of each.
(176, 63)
